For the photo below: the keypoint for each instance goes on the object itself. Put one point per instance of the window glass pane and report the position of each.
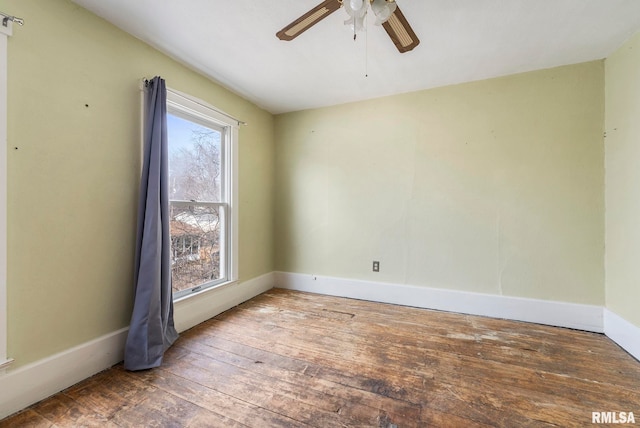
(195, 162)
(195, 245)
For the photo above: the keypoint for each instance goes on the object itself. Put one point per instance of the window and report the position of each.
(201, 195)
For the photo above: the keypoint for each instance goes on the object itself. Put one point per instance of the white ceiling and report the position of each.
(234, 43)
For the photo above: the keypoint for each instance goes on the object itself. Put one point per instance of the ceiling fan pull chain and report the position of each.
(366, 47)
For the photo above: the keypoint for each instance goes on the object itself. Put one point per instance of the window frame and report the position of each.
(202, 113)
(6, 31)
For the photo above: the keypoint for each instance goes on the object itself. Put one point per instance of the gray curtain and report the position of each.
(152, 330)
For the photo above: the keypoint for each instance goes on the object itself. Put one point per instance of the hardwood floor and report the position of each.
(292, 359)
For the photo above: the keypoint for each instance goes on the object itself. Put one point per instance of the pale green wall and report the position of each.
(493, 187)
(622, 148)
(73, 177)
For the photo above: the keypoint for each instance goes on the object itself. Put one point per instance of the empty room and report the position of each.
(307, 213)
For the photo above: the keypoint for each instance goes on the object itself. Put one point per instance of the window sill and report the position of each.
(6, 363)
(205, 291)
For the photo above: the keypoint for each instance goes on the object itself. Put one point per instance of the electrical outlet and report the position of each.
(376, 266)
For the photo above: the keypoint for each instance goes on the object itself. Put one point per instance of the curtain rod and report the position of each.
(146, 81)
(6, 18)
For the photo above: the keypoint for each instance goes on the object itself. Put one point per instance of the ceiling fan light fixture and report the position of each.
(355, 8)
(356, 23)
(383, 9)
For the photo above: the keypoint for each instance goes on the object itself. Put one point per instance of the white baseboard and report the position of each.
(560, 314)
(29, 384)
(192, 311)
(23, 386)
(622, 332)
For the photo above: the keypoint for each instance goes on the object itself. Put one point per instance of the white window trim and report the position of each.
(5, 32)
(178, 101)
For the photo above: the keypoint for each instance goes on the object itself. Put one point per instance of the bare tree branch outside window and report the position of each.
(195, 183)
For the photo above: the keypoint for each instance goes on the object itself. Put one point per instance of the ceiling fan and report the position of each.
(387, 14)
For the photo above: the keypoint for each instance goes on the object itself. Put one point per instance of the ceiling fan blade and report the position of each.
(309, 19)
(401, 32)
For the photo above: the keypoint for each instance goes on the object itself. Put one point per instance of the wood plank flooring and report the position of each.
(292, 359)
